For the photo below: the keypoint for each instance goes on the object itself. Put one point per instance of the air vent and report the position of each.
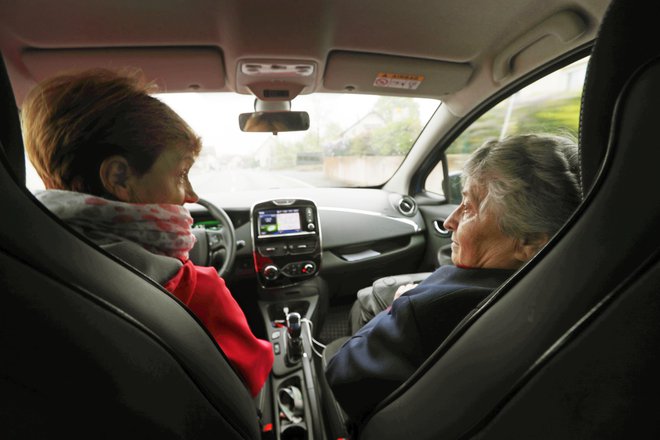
(407, 206)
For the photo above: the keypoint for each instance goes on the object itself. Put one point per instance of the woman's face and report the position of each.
(167, 180)
(477, 241)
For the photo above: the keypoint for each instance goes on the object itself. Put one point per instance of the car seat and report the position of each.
(568, 348)
(90, 347)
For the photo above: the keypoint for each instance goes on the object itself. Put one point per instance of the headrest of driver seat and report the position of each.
(614, 60)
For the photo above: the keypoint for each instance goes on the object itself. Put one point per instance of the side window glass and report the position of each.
(550, 105)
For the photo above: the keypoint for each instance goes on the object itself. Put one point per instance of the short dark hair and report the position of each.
(72, 122)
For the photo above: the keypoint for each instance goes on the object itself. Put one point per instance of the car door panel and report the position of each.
(438, 243)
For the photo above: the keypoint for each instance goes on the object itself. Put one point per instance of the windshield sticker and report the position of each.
(398, 81)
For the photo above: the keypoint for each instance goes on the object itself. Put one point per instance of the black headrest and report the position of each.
(622, 46)
(11, 141)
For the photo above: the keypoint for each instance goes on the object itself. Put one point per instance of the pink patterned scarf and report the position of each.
(159, 228)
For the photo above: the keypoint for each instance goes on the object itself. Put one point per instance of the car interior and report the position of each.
(566, 348)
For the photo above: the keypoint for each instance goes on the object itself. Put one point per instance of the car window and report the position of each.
(353, 141)
(549, 105)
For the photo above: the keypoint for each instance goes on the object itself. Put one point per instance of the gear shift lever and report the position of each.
(294, 341)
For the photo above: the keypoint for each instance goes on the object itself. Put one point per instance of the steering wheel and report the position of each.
(215, 247)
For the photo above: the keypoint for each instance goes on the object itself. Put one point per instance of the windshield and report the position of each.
(353, 140)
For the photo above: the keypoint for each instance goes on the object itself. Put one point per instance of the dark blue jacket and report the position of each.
(390, 347)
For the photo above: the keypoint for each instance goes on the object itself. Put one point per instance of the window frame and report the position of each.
(438, 153)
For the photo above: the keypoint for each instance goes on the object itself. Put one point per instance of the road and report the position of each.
(255, 179)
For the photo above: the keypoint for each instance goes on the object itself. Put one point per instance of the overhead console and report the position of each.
(287, 241)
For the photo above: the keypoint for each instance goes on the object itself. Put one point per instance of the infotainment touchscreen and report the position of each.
(279, 222)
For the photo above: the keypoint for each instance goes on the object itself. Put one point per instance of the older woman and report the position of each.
(516, 194)
(115, 163)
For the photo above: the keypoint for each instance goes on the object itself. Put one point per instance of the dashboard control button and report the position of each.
(271, 272)
(299, 269)
(311, 226)
(308, 268)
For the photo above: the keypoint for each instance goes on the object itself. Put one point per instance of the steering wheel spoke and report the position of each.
(216, 239)
(219, 248)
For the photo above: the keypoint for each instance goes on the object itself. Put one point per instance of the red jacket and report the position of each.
(205, 293)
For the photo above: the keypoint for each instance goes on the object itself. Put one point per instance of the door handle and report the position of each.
(438, 225)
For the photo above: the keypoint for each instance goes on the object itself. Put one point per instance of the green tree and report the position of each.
(486, 127)
(559, 115)
(393, 136)
(309, 143)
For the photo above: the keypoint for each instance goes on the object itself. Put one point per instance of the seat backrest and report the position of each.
(92, 348)
(568, 347)
(10, 134)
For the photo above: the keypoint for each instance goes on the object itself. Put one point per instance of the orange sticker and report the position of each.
(398, 81)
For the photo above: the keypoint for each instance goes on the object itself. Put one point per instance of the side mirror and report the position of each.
(454, 188)
(273, 121)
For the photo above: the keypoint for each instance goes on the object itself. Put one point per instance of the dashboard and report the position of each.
(358, 235)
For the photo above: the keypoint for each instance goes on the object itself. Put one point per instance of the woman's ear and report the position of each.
(527, 248)
(115, 173)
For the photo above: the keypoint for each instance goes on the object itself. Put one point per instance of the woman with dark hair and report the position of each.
(115, 164)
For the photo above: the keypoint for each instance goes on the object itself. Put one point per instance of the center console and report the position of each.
(287, 241)
(287, 257)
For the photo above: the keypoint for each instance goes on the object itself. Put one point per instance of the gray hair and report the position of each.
(531, 181)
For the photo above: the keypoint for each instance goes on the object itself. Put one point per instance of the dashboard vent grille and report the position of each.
(407, 206)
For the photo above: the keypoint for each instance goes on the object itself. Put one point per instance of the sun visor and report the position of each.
(176, 69)
(386, 74)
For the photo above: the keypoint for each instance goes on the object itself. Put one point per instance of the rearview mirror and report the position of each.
(273, 121)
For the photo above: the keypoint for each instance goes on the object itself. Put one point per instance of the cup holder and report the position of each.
(291, 407)
(293, 432)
